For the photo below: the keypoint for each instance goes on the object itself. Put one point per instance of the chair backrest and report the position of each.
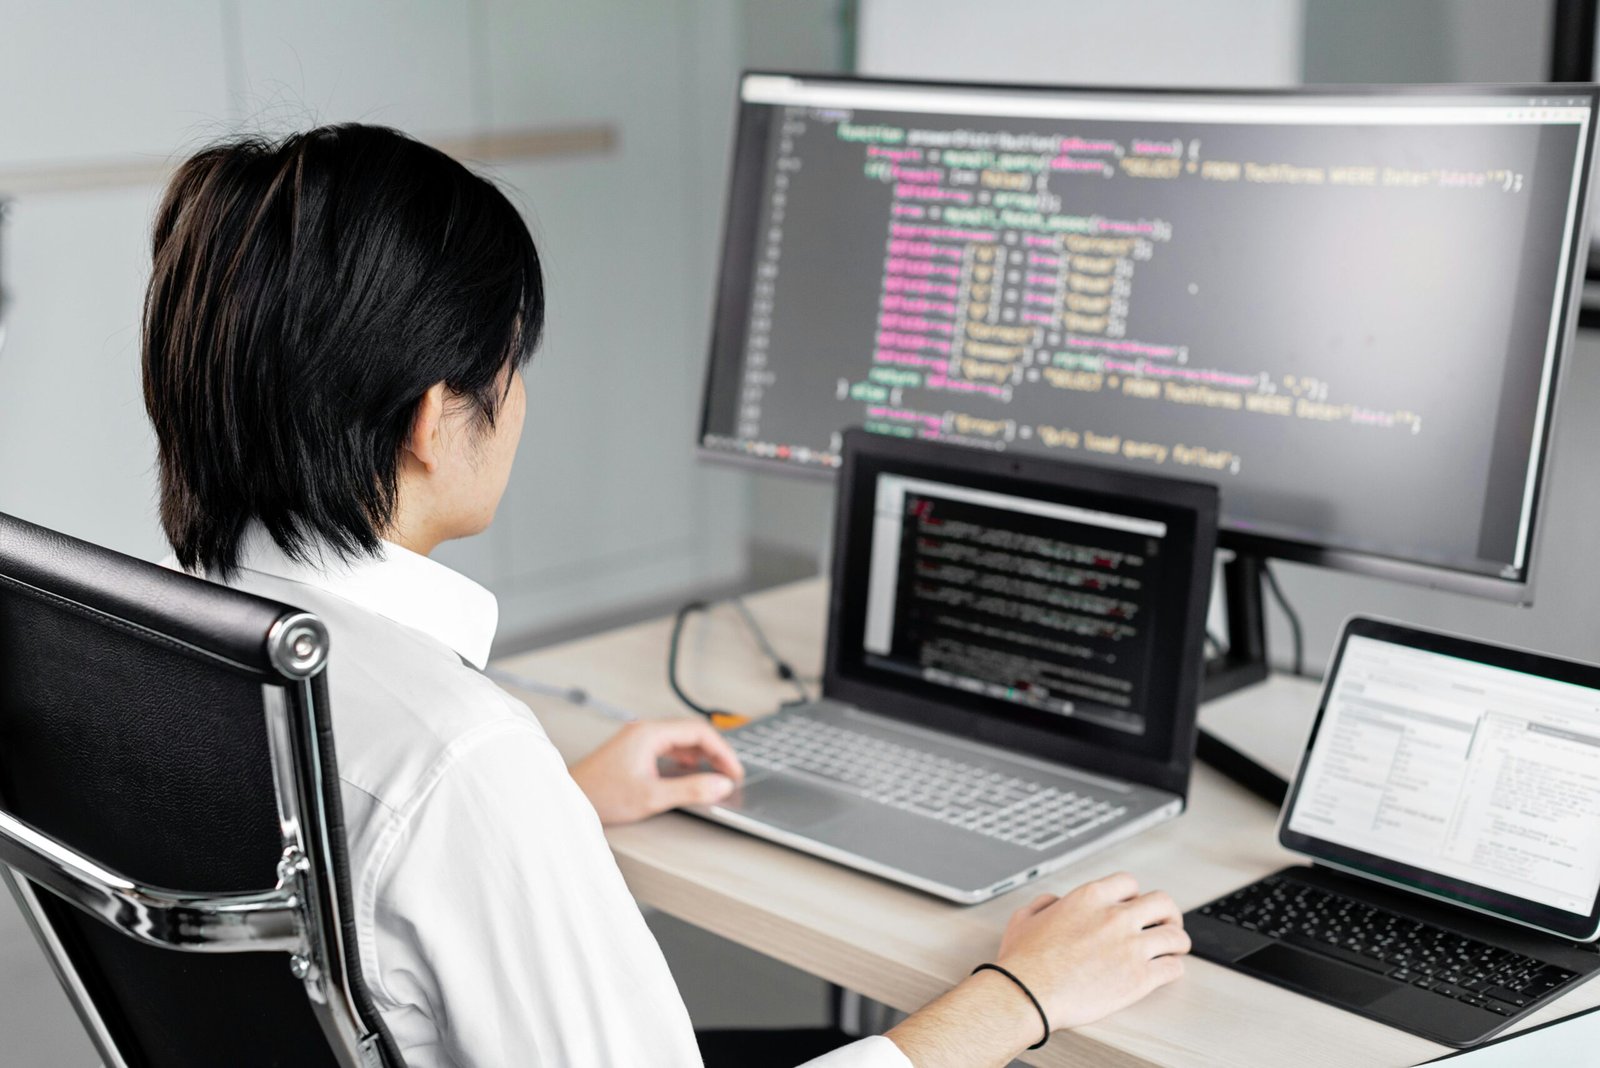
(167, 772)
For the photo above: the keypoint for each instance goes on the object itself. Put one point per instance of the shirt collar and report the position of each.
(399, 585)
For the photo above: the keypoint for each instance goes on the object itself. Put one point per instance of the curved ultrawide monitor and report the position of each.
(1348, 309)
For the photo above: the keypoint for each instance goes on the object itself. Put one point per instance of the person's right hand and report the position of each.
(623, 779)
(1096, 950)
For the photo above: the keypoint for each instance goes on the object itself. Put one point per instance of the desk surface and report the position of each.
(903, 948)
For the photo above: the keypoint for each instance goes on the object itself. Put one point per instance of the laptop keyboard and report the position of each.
(1428, 957)
(974, 798)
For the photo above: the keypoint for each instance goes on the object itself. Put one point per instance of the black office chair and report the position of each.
(158, 731)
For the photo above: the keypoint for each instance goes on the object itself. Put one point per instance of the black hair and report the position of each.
(305, 293)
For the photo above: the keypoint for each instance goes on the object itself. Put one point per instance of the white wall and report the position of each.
(607, 507)
(1084, 42)
(93, 81)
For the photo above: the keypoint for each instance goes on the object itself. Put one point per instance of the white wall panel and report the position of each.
(608, 503)
(76, 451)
(607, 496)
(573, 62)
(402, 63)
(94, 79)
(1084, 42)
(598, 473)
(720, 43)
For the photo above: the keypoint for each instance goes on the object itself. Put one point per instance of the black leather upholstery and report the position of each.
(132, 729)
(174, 608)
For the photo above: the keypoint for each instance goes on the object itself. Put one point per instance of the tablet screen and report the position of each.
(1462, 770)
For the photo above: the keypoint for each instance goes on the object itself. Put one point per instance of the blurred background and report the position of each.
(610, 122)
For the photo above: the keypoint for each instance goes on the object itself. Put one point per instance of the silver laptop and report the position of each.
(1012, 672)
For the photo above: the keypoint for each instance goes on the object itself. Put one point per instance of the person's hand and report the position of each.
(1096, 950)
(623, 778)
(1084, 956)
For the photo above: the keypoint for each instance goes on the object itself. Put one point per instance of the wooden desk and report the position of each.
(901, 947)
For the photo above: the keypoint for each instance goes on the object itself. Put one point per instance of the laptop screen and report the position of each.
(1463, 770)
(1041, 604)
(1050, 607)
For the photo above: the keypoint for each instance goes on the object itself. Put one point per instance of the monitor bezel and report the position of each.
(1182, 500)
(745, 168)
(1407, 877)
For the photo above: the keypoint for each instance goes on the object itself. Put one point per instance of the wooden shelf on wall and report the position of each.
(533, 143)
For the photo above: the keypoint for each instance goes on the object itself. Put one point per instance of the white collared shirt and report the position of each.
(494, 928)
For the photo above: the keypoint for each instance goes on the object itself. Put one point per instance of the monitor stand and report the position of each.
(1243, 664)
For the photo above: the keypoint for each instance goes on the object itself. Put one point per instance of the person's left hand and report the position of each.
(624, 782)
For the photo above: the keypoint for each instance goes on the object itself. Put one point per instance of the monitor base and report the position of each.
(1258, 779)
(1242, 664)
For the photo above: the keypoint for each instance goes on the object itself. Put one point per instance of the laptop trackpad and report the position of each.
(785, 802)
(1330, 978)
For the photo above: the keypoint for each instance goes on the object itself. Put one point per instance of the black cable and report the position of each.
(716, 715)
(1290, 615)
(672, 661)
(785, 671)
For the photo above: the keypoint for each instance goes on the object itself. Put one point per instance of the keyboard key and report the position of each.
(1514, 998)
(1545, 979)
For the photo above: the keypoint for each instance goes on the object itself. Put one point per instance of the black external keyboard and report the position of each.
(1420, 954)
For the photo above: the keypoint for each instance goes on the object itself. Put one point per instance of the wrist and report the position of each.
(984, 1020)
(1007, 1007)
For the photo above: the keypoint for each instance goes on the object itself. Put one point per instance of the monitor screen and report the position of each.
(1458, 771)
(1346, 310)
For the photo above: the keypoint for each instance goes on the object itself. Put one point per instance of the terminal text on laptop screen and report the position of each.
(1036, 603)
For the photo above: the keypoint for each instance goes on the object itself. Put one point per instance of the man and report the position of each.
(332, 341)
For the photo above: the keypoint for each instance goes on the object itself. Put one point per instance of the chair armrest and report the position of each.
(266, 920)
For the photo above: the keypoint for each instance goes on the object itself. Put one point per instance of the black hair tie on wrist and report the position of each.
(1024, 988)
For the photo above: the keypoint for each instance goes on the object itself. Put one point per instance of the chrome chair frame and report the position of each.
(298, 916)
